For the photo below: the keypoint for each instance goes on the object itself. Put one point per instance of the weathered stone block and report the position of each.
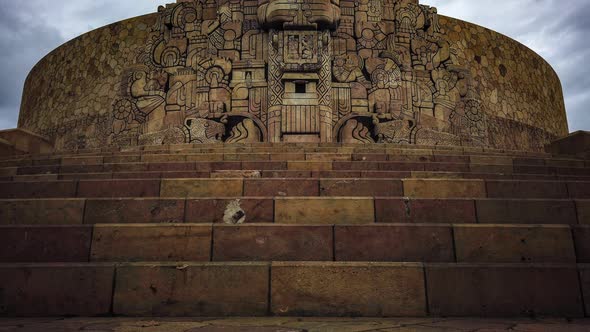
(398, 210)
(324, 210)
(160, 243)
(231, 211)
(516, 211)
(265, 165)
(134, 210)
(491, 160)
(582, 242)
(442, 188)
(526, 189)
(163, 158)
(201, 187)
(126, 167)
(514, 244)
(309, 165)
(56, 289)
(356, 166)
(205, 157)
(37, 244)
(362, 187)
(394, 243)
(579, 189)
(585, 280)
(347, 289)
(206, 289)
(583, 210)
(286, 156)
(503, 290)
(171, 167)
(45, 169)
(88, 160)
(273, 243)
(281, 187)
(48, 189)
(119, 188)
(42, 211)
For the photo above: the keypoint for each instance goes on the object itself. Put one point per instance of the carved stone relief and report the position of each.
(351, 71)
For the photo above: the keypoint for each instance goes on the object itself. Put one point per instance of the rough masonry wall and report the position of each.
(372, 71)
(68, 95)
(522, 94)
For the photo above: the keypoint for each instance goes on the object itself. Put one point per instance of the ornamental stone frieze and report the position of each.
(247, 71)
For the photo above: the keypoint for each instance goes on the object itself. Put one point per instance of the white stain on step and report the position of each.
(234, 214)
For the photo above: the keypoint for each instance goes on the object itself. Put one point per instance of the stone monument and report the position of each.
(246, 71)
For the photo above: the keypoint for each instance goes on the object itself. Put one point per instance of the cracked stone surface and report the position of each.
(290, 324)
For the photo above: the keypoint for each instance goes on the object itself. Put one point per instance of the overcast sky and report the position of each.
(558, 30)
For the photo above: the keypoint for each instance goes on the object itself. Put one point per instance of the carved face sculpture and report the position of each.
(324, 14)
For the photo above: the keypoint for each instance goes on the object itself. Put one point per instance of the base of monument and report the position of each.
(301, 138)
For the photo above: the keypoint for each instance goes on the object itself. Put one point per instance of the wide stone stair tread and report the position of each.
(294, 288)
(447, 243)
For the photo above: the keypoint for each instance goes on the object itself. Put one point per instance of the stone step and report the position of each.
(307, 165)
(286, 148)
(412, 155)
(439, 243)
(265, 187)
(293, 210)
(288, 174)
(294, 289)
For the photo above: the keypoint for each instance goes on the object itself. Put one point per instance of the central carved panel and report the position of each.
(302, 47)
(353, 71)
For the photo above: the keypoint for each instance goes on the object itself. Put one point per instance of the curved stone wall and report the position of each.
(521, 92)
(220, 72)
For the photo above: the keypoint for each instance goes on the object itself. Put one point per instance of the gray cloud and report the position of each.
(555, 29)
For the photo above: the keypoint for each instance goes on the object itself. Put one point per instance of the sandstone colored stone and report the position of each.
(281, 187)
(491, 160)
(361, 187)
(134, 210)
(90, 160)
(514, 244)
(207, 289)
(526, 189)
(503, 290)
(56, 289)
(272, 243)
(38, 244)
(525, 211)
(441, 188)
(233, 211)
(394, 243)
(159, 243)
(324, 211)
(118, 188)
(347, 289)
(405, 210)
(309, 165)
(201, 187)
(47, 189)
(42, 211)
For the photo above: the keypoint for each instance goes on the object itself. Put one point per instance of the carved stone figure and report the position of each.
(365, 71)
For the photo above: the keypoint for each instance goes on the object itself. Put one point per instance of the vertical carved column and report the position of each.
(325, 87)
(275, 87)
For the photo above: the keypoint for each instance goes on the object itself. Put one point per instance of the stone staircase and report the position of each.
(294, 230)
